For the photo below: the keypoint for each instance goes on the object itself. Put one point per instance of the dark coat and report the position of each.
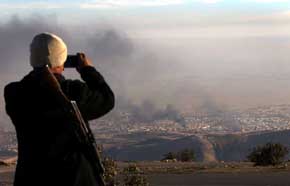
(48, 153)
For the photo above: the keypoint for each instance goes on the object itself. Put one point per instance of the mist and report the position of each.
(214, 74)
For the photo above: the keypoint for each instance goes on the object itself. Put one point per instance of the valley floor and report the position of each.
(221, 179)
(197, 174)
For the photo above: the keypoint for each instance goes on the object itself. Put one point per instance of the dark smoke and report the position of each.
(238, 72)
(148, 112)
(125, 64)
(15, 37)
(110, 46)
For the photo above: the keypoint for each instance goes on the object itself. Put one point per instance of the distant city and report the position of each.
(267, 118)
(260, 119)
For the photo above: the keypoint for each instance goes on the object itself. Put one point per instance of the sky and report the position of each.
(172, 18)
(190, 53)
(111, 8)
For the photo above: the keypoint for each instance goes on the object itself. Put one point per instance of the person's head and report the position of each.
(48, 49)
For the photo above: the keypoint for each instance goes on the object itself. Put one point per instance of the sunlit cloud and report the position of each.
(130, 3)
(269, 1)
(286, 13)
(141, 3)
(31, 5)
(106, 4)
(211, 1)
(96, 4)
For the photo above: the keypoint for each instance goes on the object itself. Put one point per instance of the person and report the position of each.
(48, 153)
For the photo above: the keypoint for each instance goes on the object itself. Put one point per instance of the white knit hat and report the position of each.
(47, 48)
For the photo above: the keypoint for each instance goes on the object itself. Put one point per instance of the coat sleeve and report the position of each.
(94, 96)
(10, 97)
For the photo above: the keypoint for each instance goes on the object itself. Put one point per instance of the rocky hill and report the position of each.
(232, 147)
(237, 147)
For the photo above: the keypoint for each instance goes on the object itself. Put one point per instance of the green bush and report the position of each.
(133, 176)
(268, 154)
(184, 155)
(170, 156)
(110, 175)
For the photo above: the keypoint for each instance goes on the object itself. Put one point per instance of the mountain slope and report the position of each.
(230, 147)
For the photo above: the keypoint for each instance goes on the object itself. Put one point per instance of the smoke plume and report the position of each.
(188, 73)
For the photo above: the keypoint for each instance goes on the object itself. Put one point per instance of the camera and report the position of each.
(71, 61)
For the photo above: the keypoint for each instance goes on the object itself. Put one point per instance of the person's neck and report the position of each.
(57, 70)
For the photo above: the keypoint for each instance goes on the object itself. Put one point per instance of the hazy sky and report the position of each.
(230, 53)
(164, 18)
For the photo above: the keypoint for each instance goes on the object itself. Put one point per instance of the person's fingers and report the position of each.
(81, 56)
(83, 61)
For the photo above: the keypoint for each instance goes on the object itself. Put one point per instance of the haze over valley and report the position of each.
(177, 74)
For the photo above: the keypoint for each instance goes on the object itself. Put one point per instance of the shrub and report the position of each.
(170, 156)
(133, 176)
(110, 172)
(268, 154)
(186, 155)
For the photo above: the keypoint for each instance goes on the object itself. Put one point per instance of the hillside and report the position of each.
(236, 147)
(232, 147)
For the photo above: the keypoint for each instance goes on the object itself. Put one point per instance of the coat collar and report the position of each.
(33, 76)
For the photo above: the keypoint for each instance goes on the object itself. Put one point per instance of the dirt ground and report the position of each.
(221, 179)
(171, 174)
(6, 175)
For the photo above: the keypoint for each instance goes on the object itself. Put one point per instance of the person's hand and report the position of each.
(83, 61)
